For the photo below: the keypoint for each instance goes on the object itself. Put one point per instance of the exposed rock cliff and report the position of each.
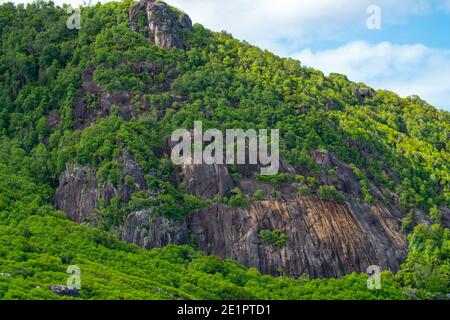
(92, 102)
(325, 239)
(148, 230)
(130, 168)
(165, 27)
(344, 178)
(206, 181)
(363, 93)
(79, 190)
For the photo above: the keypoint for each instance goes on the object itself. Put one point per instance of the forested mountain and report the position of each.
(86, 177)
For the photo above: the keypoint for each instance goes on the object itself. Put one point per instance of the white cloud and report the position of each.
(405, 69)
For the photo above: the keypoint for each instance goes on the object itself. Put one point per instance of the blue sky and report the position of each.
(410, 54)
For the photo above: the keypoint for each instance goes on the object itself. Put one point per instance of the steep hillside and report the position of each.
(38, 244)
(85, 117)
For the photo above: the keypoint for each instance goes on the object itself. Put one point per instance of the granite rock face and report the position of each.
(206, 181)
(445, 217)
(92, 102)
(134, 171)
(344, 178)
(325, 239)
(79, 190)
(149, 230)
(163, 26)
(363, 93)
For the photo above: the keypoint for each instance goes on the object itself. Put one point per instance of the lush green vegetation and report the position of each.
(274, 237)
(426, 272)
(259, 195)
(399, 143)
(277, 179)
(330, 193)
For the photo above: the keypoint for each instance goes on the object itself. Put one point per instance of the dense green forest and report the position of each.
(225, 83)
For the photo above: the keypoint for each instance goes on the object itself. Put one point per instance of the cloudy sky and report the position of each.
(410, 54)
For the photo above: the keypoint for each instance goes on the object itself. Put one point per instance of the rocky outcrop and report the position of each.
(149, 230)
(165, 27)
(79, 190)
(64, 291)
(207, 181)
(93, 102)
(421, 217)
(445, 217)
(325, 239)
(363, 93)
(130, 169)
(53, 119)
(250, 186)
(343, 179)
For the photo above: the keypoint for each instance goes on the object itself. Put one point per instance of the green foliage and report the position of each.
(363, 183)
(303, 190)
(330, 193)
(331, 172)
(274, 237)
(167, 205)
(408, 222)
(435, 215)
(238, 199)
(225, 83)
(259, 195)
(312, 182)
(426, 272)
(278, 195)
(113, 214)
(192, 203)
(277, 179)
